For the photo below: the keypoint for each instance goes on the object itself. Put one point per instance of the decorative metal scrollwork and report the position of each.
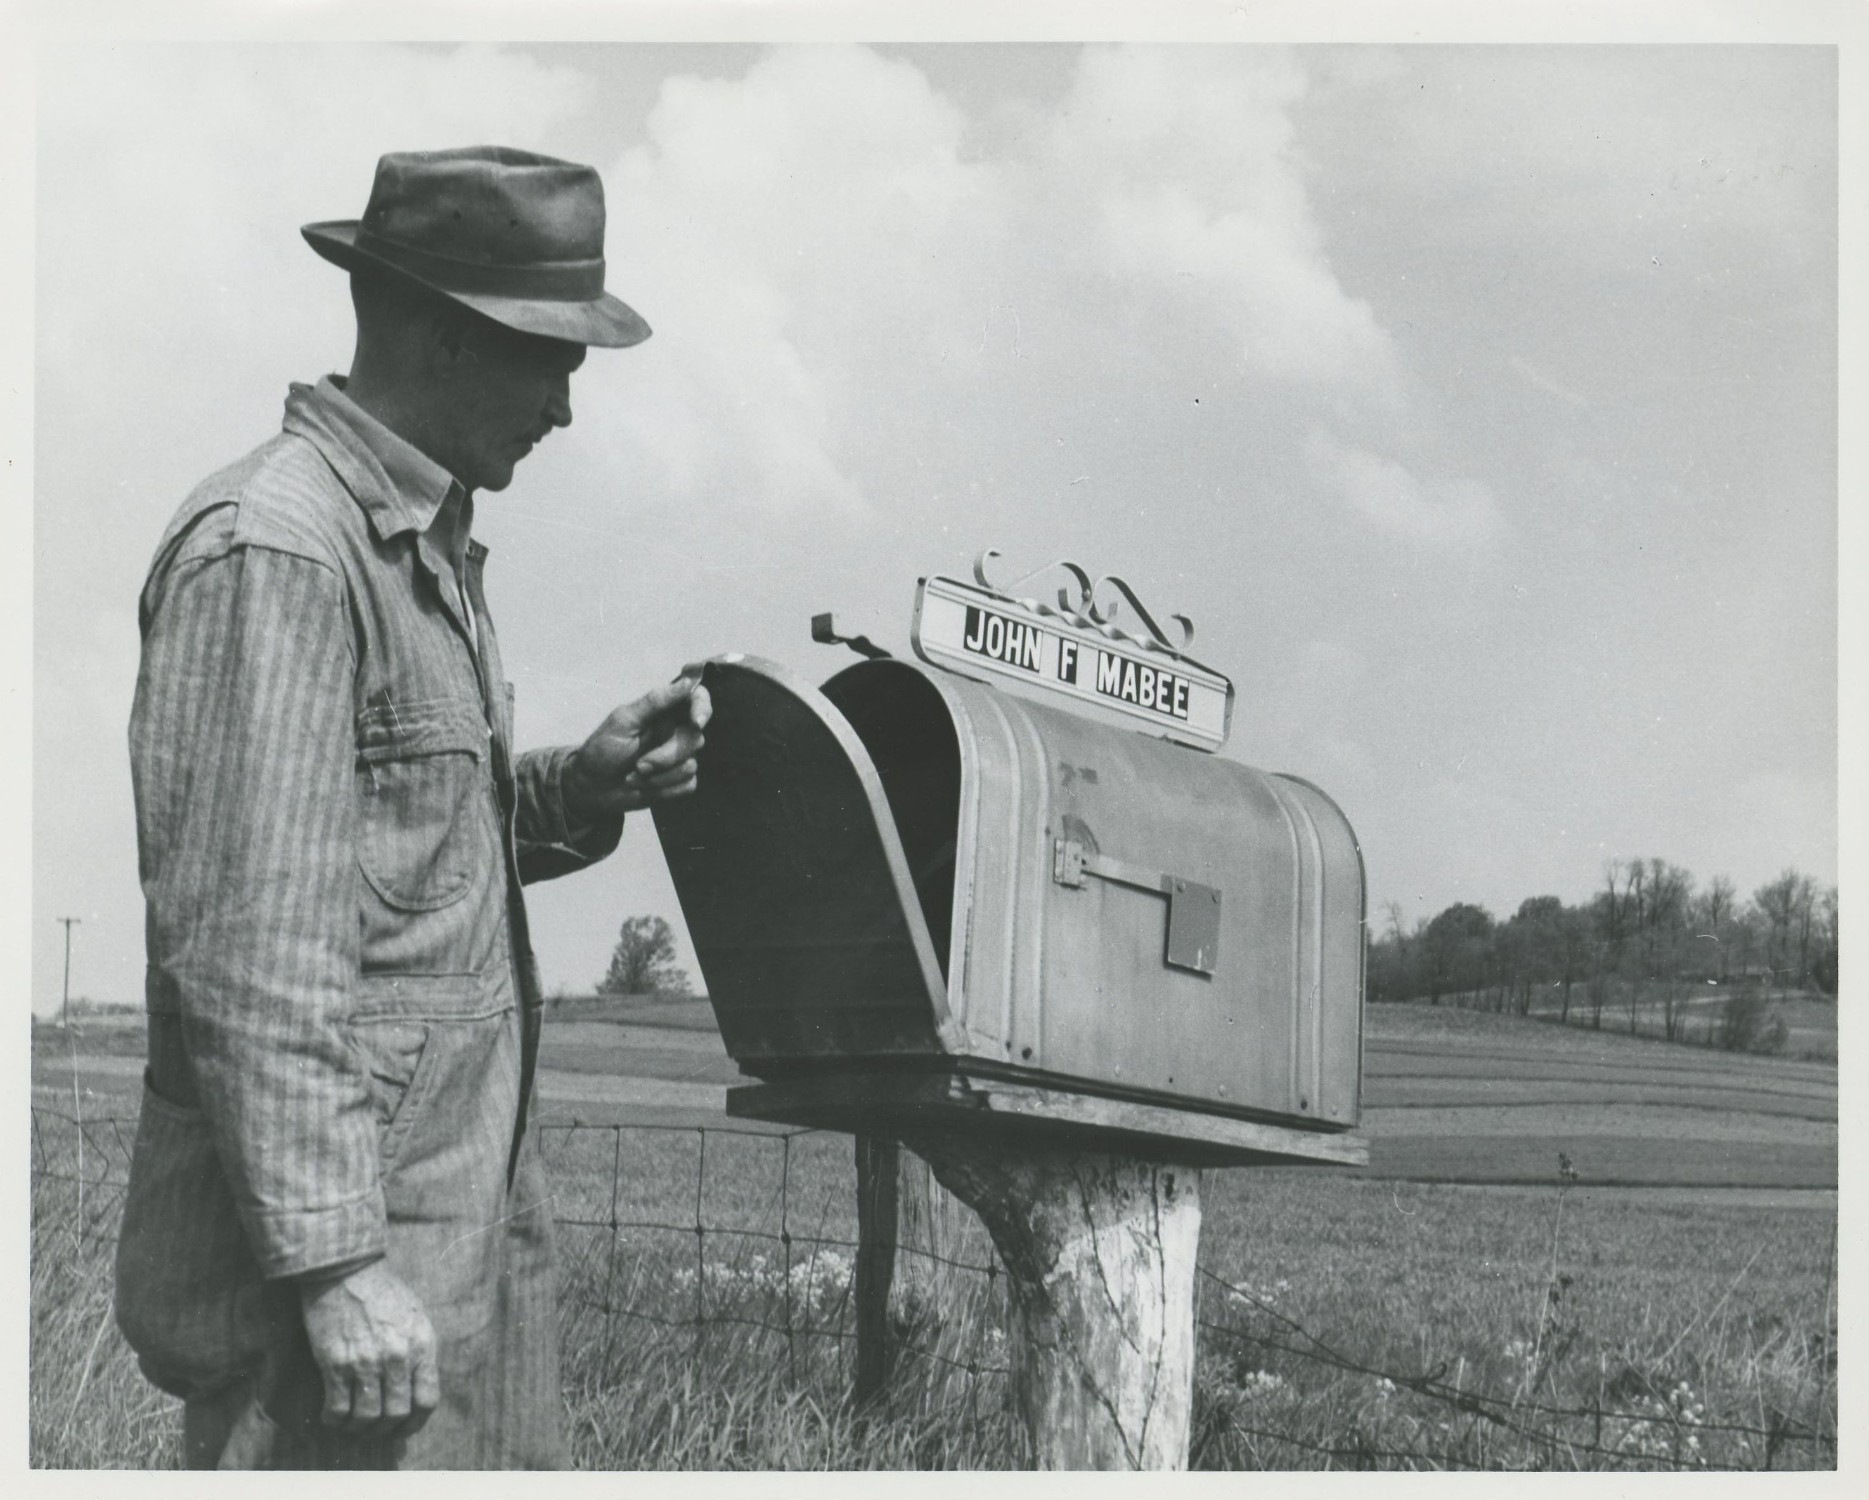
(1085, 612)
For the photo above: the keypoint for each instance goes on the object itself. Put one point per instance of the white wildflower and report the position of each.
(1263, 1383)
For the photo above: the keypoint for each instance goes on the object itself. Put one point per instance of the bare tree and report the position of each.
(1806, 918)
(1777, 905)
(1665, 938)
(1573, 953)
(1713, 915)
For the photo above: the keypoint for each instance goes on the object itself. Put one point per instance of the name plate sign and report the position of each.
(984, 635)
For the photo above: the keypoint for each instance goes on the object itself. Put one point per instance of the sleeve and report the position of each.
(546, 848)
(243, 745)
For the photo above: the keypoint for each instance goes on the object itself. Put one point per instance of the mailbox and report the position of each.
(907, 880)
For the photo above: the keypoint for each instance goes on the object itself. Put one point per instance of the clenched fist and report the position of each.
(375, 1347)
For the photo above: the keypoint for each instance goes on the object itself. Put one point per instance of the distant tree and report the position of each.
(1612, 912)
(1613, 907)
(644, 961)
(1455, 949)
(1713, 923)
(1665, 938)
(1574, 952)
(1824, 965)
(1808, 921)
(1389, 969)
(1778, 905)
(1531, 946)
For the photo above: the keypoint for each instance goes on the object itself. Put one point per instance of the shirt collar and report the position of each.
(398, 486)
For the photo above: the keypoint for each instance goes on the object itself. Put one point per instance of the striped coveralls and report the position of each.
(343, 1003)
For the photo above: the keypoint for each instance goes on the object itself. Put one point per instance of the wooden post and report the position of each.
(876, 1259)
(64, 1002)
(1099, 1251)
(900, 1206)
(928, 1230)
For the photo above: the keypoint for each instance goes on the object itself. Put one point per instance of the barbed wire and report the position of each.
(1434, 1384)
(741, 1288)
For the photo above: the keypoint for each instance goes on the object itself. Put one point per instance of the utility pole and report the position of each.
(64, 1004)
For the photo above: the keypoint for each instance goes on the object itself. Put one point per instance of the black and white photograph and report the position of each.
(773, 739)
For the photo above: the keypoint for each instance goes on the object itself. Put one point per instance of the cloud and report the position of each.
(1447, 511)
(784, 232)
(828, 255)
(1181, 163)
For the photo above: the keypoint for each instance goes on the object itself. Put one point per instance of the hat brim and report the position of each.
(608, 322)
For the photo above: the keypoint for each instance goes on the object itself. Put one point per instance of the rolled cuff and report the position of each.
(547, 845)
(324, 1275)
(305, 1242)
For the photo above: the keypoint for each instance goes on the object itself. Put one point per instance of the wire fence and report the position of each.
(766, 1242)
(715, 1242)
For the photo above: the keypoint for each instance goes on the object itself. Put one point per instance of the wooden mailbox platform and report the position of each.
(903, 1103)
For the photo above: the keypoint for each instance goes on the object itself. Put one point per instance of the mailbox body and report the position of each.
(910, 869)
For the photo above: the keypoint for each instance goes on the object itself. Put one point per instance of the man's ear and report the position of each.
(445, 340)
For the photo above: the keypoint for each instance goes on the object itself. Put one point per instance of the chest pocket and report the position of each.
(419, 767)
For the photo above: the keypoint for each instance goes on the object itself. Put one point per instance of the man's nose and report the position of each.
(558, 408)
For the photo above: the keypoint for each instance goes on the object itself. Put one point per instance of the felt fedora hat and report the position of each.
(515, 236)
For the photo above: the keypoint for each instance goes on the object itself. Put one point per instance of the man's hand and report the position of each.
(643, 753)
(376, 1350)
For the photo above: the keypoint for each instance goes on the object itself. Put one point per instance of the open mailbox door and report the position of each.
(794, 883)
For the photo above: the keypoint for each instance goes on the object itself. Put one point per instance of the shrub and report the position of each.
(1742, 1022)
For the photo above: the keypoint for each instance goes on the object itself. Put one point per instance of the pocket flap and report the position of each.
(436, 726)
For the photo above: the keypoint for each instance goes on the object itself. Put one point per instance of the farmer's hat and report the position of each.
(516, 237)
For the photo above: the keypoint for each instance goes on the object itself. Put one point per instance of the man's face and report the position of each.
(506, 391)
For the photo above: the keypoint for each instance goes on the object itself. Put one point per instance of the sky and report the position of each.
(1477, 403)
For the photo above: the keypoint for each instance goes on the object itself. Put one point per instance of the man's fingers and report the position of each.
(366, 1399)
(336, 1398)
(396, 1388)
(425, 1391)
(683, 745)
(422, 1386)
(662, 782)
(660, 700)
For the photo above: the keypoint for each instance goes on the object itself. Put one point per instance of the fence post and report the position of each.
(928, 1229)
(1100, 1252)
(877, 1165)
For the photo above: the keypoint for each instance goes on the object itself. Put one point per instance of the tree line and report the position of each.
(1649, 936)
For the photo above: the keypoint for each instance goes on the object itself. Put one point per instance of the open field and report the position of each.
(1345, 1321)
(1456, 1305)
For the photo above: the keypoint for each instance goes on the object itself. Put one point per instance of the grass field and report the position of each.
(1457, 1305)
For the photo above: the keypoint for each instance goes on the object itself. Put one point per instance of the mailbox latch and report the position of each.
(1193, 908)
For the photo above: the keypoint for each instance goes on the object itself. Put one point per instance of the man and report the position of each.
(336, 1242)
